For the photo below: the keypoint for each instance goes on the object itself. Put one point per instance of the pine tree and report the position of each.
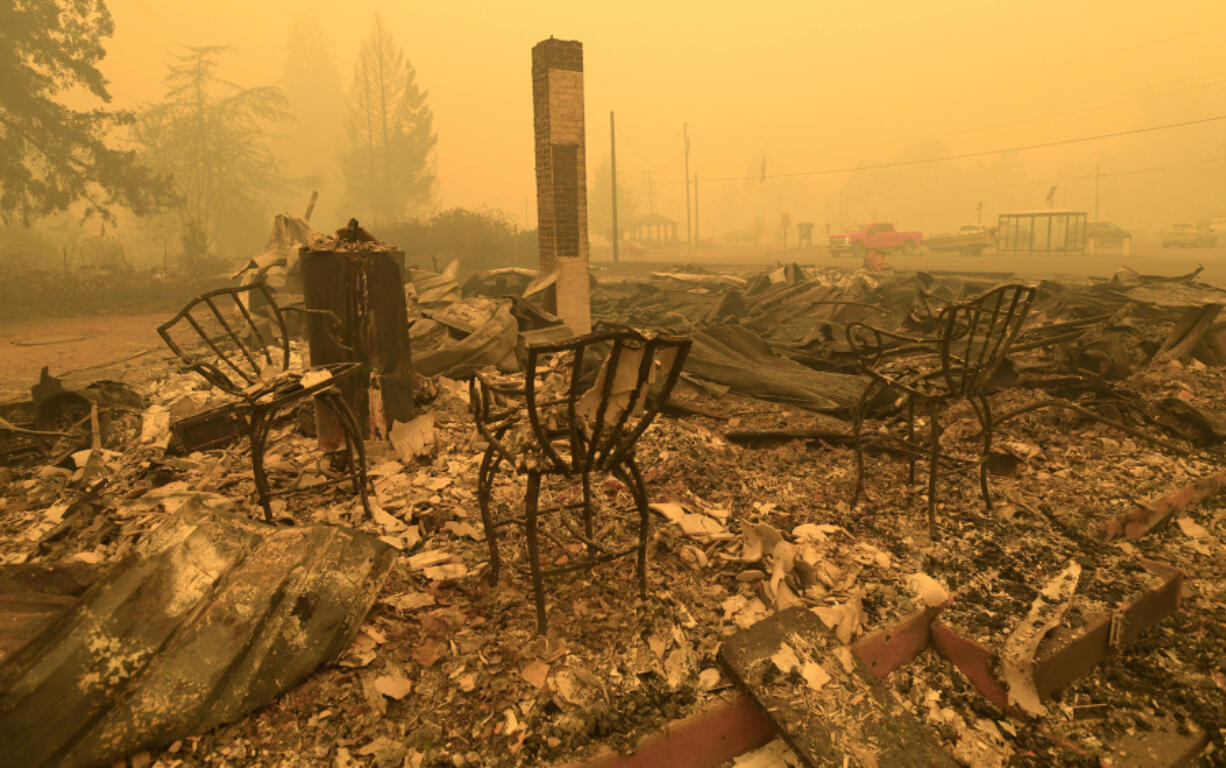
(311, 82)
(213, 137)
(52, 156)
(387, 162)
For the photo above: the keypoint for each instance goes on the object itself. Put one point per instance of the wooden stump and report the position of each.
(360, 281)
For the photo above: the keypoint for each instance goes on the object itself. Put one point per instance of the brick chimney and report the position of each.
(561, 175)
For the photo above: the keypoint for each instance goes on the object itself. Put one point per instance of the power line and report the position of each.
(1135, 97)
(968, 155)
(1181, 166)
(969, 129)
(1132, 172)
(1080, 110)
(1082, 177)
(633, 148)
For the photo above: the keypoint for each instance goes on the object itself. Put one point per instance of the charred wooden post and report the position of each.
(360, 281)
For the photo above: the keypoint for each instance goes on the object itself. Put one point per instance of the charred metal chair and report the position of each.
(579, 426)
(972, 340)
(237, 340)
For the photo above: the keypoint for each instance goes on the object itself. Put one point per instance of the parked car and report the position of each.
(1189, 236)
(874, 236)
(1107, 233)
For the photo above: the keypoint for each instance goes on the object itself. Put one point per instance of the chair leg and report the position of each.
(355, 445)
(934, 460)
(588, 513)
(485, 492)
(986, 423)
(857, 427)
(259, 437)
(534, 554)
(640, 498)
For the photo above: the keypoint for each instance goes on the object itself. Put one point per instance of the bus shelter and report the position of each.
(1042, 232)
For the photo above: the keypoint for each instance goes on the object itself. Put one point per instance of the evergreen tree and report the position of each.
(52, 156)
(387, 162)
(311, 82)
(600, 202)
(213, 137)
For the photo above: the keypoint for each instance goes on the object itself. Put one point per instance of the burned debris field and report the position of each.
(750, 469)
(844, 403)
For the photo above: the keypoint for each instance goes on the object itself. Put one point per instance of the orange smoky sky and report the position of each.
(795, 86)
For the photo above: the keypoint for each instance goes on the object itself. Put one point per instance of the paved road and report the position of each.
(1148, 258)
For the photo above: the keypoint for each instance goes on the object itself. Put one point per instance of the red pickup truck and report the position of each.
(876, 236)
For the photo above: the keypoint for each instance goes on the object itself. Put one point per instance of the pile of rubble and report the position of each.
(1112, 401)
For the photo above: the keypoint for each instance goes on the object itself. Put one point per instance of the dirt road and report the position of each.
(76, 346)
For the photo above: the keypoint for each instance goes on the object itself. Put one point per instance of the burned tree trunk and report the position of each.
(360, 281)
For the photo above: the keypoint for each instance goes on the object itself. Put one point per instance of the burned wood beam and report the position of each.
(359, 281)
(1188, 332)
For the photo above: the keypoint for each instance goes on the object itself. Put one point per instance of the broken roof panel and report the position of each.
(211, 617)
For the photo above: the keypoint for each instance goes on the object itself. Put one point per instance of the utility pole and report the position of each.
(651, 194)
(697, 231)
(613, 163)
(689, 235)
(1097, 177)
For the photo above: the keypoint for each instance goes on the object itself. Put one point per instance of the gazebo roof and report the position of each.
(654, 218)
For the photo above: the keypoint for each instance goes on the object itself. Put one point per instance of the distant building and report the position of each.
(654, 228)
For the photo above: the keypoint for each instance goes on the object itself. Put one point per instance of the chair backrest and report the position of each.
(976, 335)
(233, 337)
(600, 422)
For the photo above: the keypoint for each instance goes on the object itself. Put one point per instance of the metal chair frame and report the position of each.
(607, 444)
(243, 349)
(975, 337)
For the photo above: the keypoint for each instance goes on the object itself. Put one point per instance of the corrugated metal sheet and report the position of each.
(211, 617)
